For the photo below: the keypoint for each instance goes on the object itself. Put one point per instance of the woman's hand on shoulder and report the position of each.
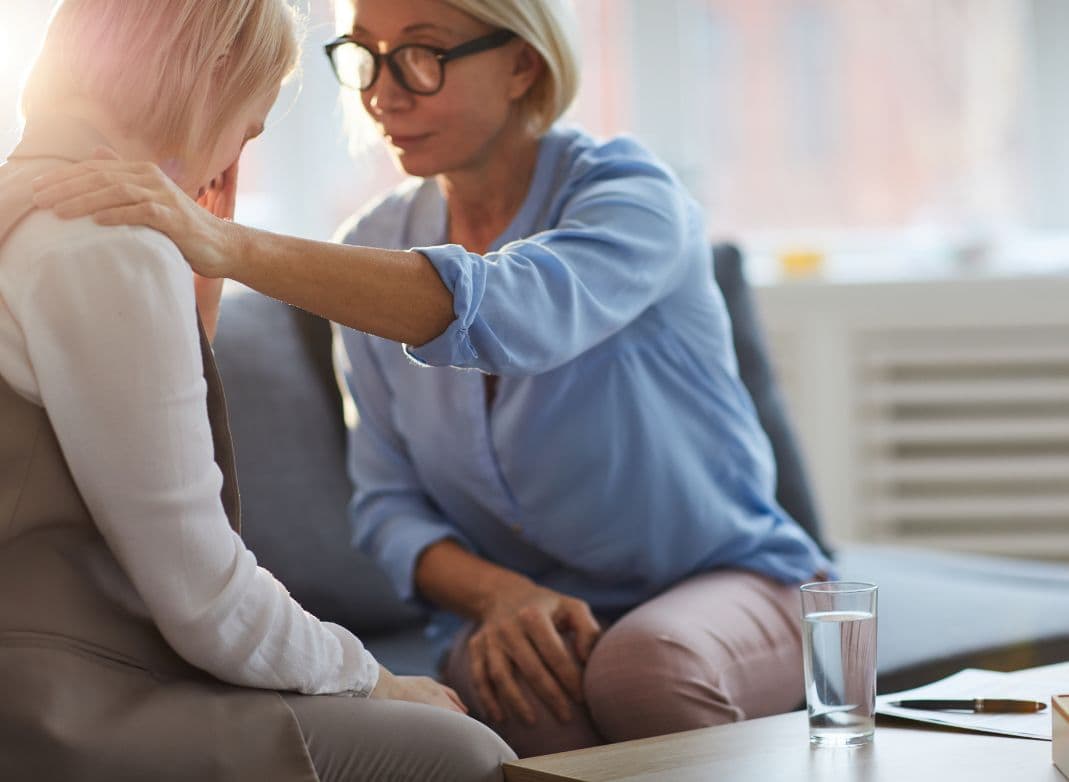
(417, 689)
(533, 633)
(117, 192)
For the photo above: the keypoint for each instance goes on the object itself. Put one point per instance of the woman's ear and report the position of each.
(528, 67)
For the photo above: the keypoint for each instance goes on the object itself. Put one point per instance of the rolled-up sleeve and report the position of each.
(539, 302)
(393, 520)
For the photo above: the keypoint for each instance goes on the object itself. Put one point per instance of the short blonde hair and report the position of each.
(155, 64)
(549, 26)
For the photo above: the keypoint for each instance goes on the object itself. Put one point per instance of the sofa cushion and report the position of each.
(939, 612)
(289, 439)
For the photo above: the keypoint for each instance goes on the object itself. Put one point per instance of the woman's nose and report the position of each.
(387, 94)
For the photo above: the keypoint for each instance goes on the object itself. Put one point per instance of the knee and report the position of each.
(472, 752)
(646, 681)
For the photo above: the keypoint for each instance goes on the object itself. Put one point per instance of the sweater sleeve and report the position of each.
(540, 302)
(110, 331)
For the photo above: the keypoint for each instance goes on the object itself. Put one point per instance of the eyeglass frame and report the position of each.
(484, 43)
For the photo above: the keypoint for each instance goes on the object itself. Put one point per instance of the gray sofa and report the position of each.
(938, 612)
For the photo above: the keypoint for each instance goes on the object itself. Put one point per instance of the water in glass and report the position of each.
(840, 675)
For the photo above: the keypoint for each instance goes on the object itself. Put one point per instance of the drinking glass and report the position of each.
(839, 649)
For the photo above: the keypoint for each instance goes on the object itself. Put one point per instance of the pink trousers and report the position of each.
(718, 648)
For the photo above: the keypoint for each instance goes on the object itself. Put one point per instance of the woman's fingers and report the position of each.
(480, 678)
(456, 698)
(146, 214)
(502, 676)
(93, 186)
(210, 201)
(105, 153)
(228, 192)
(577, 616)
(120, 193)
(417, 689)
(553, 650)
(446, 701)
(107, 198)
(58, 176)
(95, 191)
(102, 169)
(537, 676)
(220, 197)
(48, 192)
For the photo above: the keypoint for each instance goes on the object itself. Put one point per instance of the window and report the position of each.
(907, 135)
(914, 135)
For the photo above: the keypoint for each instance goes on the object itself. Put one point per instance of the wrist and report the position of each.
(475, 596)
(495, 587)
(234, 251)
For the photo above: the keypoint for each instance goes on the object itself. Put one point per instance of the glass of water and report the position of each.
(839, 648)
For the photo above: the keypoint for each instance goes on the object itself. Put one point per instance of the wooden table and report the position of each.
(776, 749)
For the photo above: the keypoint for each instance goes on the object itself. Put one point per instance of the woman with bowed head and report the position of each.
(592, 509)
(138, 637)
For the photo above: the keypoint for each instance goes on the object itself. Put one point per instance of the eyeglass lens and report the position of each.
(417, 67)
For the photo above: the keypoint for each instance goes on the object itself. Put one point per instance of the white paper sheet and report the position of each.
(1035, 684)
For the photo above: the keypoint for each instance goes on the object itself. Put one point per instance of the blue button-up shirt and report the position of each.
(621, 452)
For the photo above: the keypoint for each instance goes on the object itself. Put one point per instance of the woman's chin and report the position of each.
(422, 163)
(415, 166)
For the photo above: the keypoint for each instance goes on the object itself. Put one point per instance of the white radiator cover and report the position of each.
(933, 413)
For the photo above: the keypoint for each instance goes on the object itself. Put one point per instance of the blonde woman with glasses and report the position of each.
(139, 640)
(593, 509)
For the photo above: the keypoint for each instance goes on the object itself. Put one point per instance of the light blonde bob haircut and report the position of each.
(549, 26)
(156, 65)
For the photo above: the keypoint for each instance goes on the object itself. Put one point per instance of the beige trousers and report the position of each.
(358, 740)
(720, 647)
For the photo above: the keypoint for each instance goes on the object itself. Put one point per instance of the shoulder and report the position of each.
(44, 234)
(618, 178)
(74, 249)
(587, 158)
(382, 220)
(619, 169)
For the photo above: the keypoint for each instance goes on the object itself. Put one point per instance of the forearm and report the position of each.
(436, 579)
(390, 294)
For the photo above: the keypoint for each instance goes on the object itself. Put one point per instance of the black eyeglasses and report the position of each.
(419, 69)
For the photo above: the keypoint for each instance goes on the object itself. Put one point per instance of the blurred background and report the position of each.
(905, 134)
(897, 173)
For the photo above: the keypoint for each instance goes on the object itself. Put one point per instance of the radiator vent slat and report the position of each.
(902, 431)
(971, 390)
(963, 437)
(972, 470)
(965, 511)
(1002, 352)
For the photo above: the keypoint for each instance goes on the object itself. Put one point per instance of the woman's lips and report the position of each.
(406, 141)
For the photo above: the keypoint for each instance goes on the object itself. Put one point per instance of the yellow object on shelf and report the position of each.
(796, 264)
(1060, 732)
